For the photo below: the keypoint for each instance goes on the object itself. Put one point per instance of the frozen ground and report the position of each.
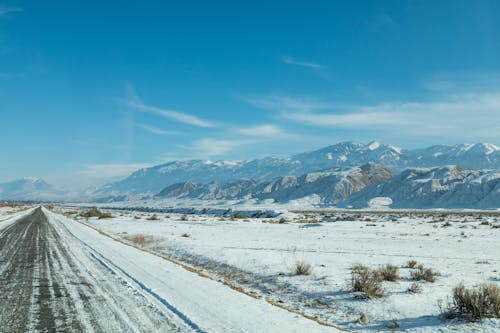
(258, 257)
(61, 275)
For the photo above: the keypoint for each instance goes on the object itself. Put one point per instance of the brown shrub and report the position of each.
(387, 273)
(302, 268)
(366, 282)
(476, 303)
(425, 274)
(411, 263)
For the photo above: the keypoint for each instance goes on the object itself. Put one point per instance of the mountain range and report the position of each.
(345, 154)
(29, 188)
(348, 174)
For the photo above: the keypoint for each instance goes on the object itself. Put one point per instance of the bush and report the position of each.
(387, 273)
(153, 218)
(476, 303)
(185, 235)
(95, 212)
(184, 218)
(367, 282)
(425, 274)
(239, 216)
(414, 288)
(105, 215)
(302, 268)
(411, 263)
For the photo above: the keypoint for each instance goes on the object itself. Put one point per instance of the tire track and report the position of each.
(50, 283)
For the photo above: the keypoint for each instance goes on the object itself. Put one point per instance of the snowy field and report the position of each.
(258, 256)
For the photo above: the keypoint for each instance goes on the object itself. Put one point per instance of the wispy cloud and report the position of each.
(134, 102)
(4, 10)
(265, 131)
(292, 61)
(157, 131)
(208, 147)
(260, 130)
(463, 116)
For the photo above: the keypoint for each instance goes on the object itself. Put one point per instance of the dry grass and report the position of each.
(411, 263)
(366, 282)
(425, 274)
(302, 268)
(153, 217)
(414, 288)
(476, 303)
(387, 273)
(186, 235)
(95, 212)
(184, 218)
(141, 239)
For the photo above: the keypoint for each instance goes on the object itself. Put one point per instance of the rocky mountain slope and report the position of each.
(440, 187)
(328, 186)
(345, 154)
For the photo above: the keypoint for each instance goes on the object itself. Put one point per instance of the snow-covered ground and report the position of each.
(258, 256)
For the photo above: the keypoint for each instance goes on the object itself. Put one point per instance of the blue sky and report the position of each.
(92, 90)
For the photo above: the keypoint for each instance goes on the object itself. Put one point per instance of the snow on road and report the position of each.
(198, 303)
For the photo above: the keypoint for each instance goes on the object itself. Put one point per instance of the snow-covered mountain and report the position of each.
(471, 156)
(351, 153)
(440, 187)
(345, 154)
(29, 188)
(328, 186)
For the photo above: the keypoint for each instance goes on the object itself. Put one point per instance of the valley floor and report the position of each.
(59, 275)
(258, 256)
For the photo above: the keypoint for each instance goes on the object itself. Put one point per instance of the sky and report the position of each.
(93, 90)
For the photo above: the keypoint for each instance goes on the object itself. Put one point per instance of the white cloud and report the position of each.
(214, 147)
(134, 102)
(266, 130)
(7, 9)
(292, 61)
(464, 116)
(157, 131)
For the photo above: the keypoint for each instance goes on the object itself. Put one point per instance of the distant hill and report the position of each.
(345, 154)
(29, 188)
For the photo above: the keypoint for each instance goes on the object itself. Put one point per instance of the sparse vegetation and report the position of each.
(411, 263)
(414, 288)
(140, 239)
(366, 282)
(425, 274)
(302, 268)
(153, 218)
(95, 212)
(476, 303)
(185, 235)
(387, 273)
(184, 217)
(239, 216)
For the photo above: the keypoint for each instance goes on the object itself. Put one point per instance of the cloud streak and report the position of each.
(208, 147)
(471, 116)
(4, 10)
(292, 61)
(157, 131)
(134, 102)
